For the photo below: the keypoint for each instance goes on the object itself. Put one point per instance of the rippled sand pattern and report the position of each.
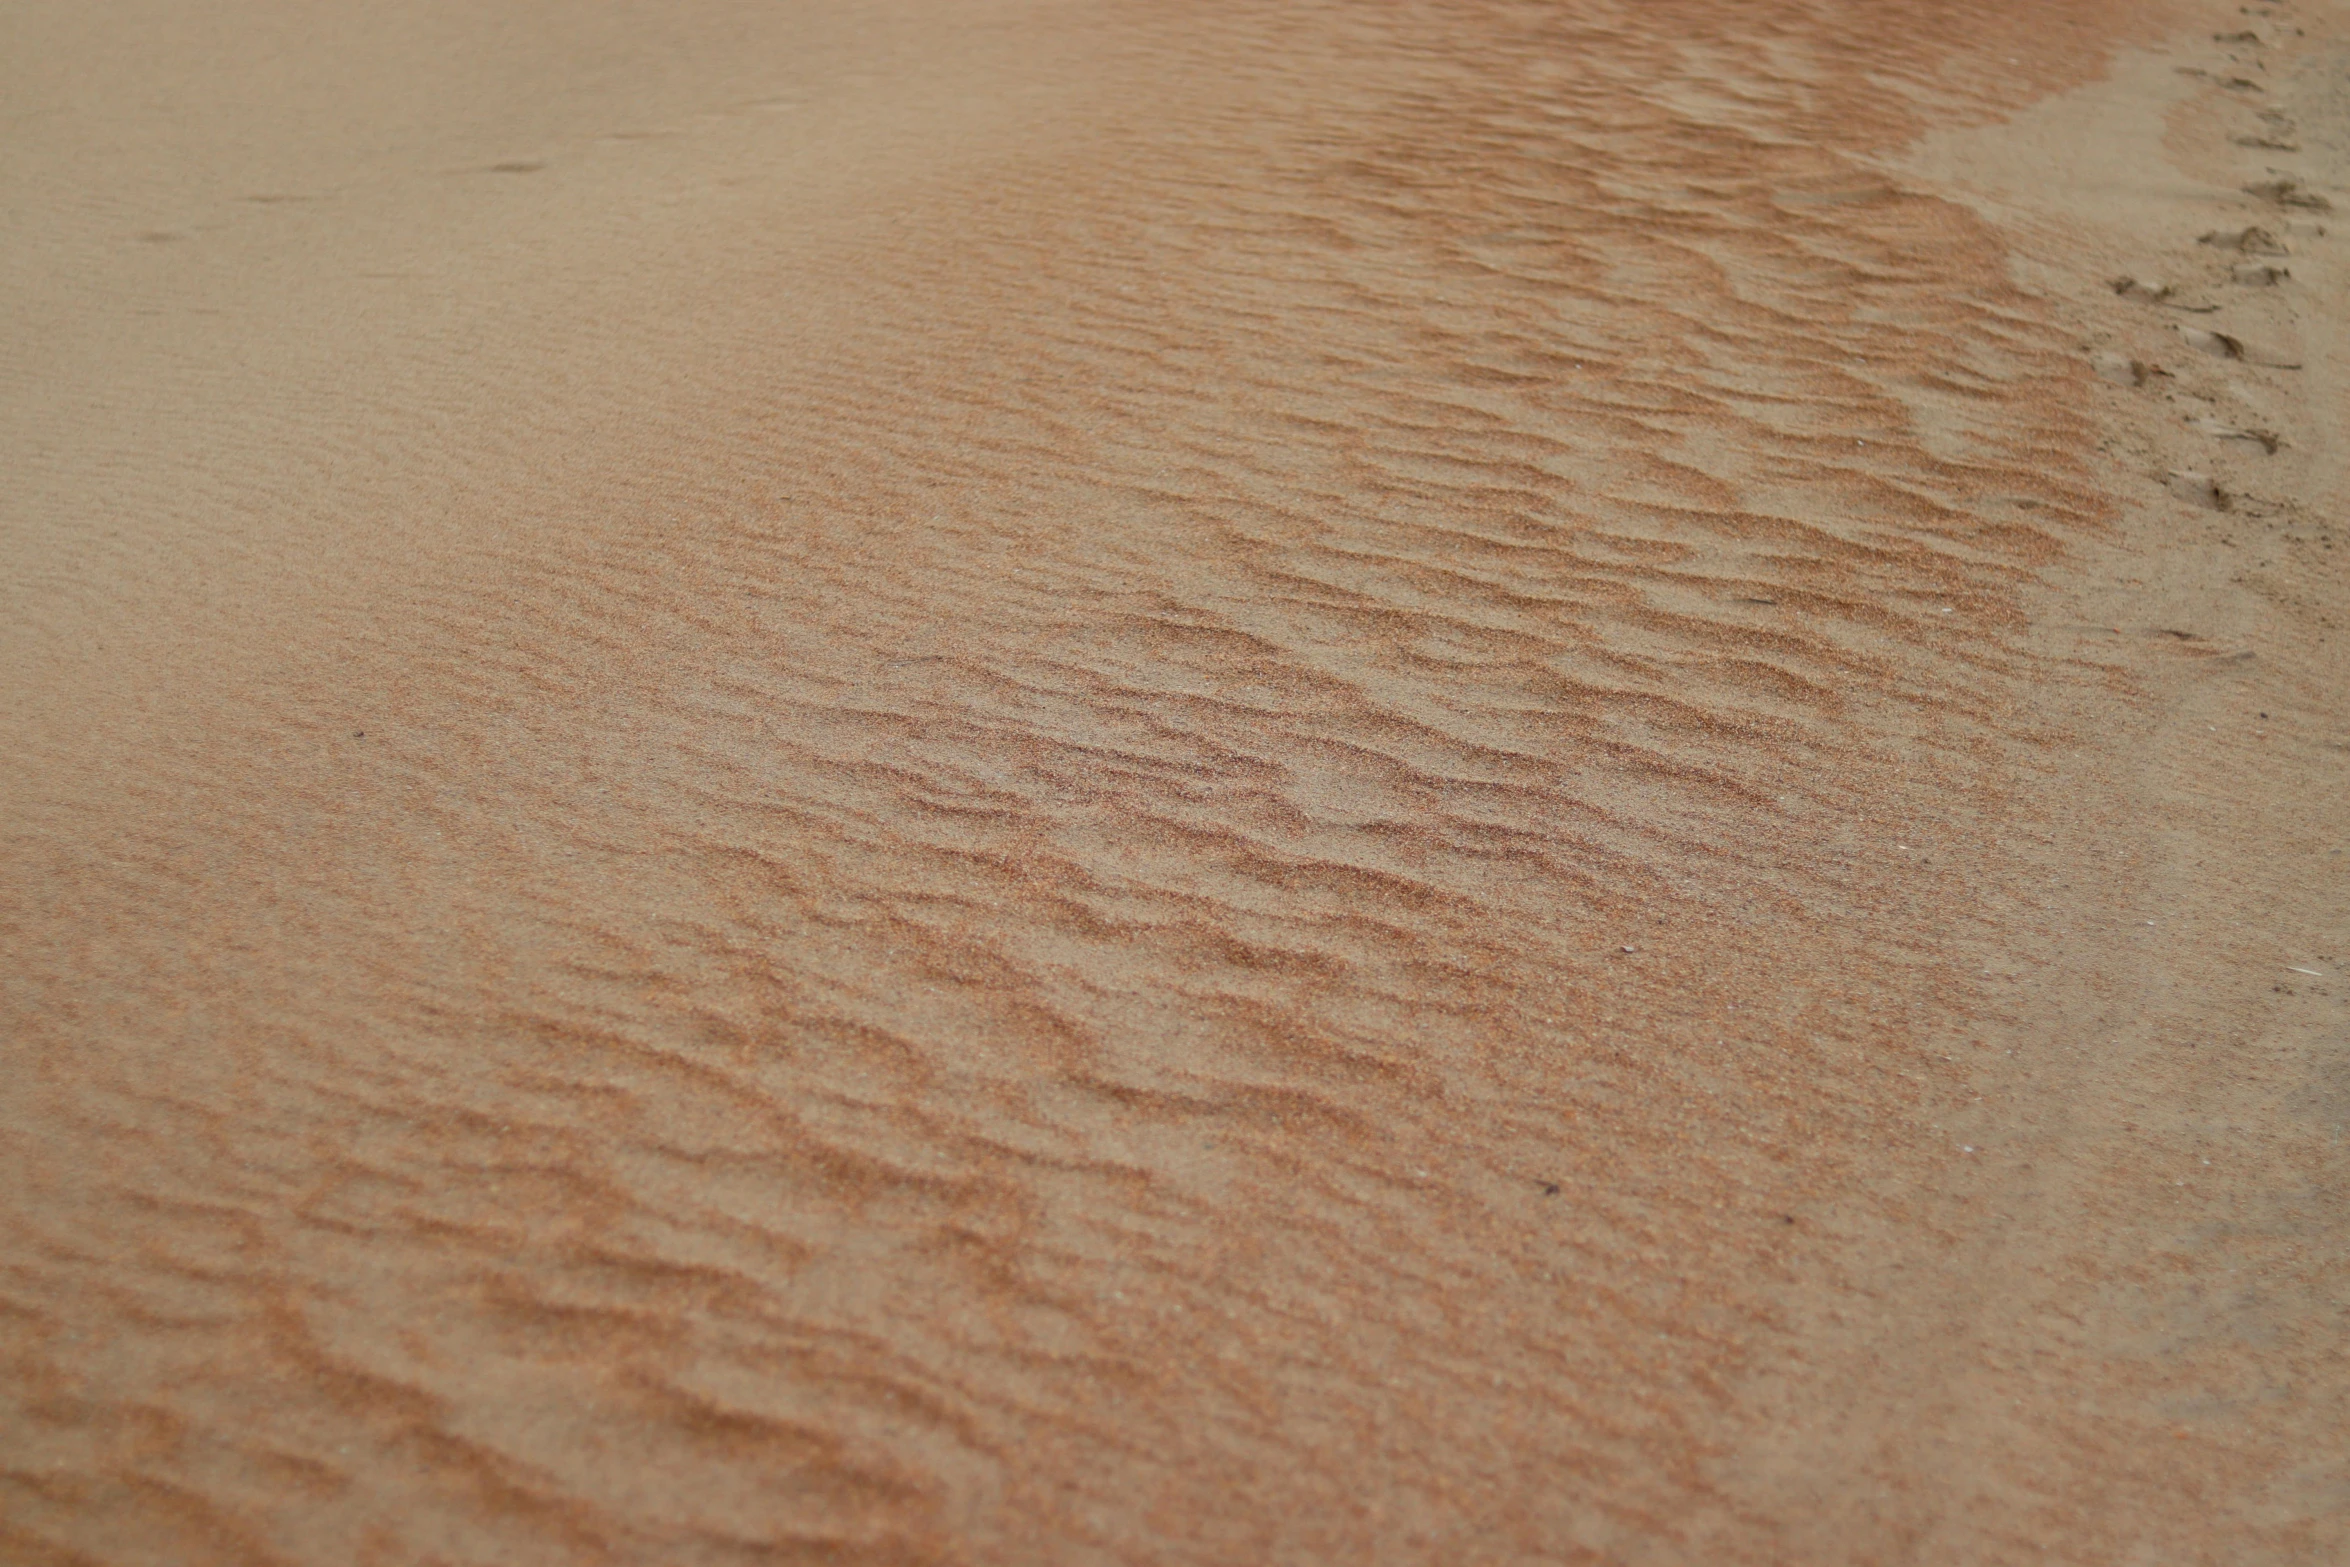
(1173, 879)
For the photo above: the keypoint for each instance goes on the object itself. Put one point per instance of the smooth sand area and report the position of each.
(1258, 781)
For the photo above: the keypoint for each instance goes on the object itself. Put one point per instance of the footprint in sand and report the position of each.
(2197, 489)
(2259, 274)
(2120, 369)
(2286, 191)
(2217, 344)
(2232, 83)
(2153, 291)
(2265, 441)
(2276, 133)
(2221, 345)
(2253, 241)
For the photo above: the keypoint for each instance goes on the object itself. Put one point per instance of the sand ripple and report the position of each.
(1208, 844)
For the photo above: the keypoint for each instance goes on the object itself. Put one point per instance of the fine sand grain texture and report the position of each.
(1066, 781)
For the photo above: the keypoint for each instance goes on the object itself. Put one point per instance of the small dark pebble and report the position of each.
(1550, 1188)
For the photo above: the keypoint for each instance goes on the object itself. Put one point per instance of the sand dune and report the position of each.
(1073, 782)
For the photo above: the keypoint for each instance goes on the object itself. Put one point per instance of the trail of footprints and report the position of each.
(2280, 213)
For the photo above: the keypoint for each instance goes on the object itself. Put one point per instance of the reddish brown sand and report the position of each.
(1069, 781)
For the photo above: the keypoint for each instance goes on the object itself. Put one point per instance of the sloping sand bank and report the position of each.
(1068, 781)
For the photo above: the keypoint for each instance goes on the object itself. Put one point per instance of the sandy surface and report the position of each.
(1070, 781)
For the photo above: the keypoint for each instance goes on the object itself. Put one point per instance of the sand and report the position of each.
(1066, 781)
